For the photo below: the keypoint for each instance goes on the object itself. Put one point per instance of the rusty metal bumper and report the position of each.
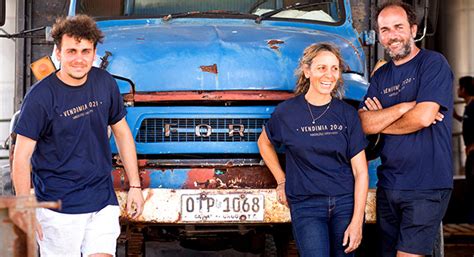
(163, 206)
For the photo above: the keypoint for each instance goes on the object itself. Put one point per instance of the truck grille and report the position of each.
(158, 130)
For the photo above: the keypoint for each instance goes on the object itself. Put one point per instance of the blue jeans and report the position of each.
(319, 223)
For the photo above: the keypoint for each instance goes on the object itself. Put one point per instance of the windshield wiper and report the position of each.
(256, 5)
(294, 6)
(212, 12)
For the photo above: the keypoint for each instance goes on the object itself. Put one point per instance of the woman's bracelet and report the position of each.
(135, 187)
(282, 182)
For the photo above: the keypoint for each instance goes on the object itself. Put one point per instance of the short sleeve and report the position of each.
(273, 129)
(33, 118)
(117, 109)
(357, 139)
(436, 82)
(372, 91)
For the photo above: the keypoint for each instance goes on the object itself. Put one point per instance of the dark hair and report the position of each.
(309, 53)
(408, 10)
(467, 83)
(79, 27)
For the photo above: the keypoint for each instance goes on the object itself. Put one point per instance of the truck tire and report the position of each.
(6, 188)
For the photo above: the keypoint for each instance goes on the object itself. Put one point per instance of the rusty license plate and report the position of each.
(208, 207)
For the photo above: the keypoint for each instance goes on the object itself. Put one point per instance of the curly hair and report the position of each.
(411, 15)
(309, 53)
(79, 27)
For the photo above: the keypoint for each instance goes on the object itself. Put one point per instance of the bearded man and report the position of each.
(410, 104)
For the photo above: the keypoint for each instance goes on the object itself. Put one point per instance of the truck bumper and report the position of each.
(163, 206)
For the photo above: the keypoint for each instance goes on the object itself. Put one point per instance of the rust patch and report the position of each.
(179, 217)
(209, 68)
(245, 177)
(370, 207)
(149, 195)
(244, 95)
(199, 178)
(273, 43)
(128, 97)
(121, 180)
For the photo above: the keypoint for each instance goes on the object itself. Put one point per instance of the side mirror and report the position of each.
(2, 12)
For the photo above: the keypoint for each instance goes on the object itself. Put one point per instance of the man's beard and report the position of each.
(406, 49)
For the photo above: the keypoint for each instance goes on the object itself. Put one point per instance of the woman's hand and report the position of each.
(281, 193)
(353, 236)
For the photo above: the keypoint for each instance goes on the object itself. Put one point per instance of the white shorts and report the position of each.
(72, 234)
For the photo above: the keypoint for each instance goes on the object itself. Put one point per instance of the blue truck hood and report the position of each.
(240, 55)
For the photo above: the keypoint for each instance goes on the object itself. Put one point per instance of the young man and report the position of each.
(62, 133)
(410, 103)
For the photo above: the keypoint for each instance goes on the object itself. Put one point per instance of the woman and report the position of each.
(326, 179)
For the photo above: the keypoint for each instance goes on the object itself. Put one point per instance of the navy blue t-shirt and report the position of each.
(423, 159)
(317, 155)
(72, 160)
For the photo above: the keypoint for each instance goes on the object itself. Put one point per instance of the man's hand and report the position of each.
(135, 202)
(439, 117)
(372, 104)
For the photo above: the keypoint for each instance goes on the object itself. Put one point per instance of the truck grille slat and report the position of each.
(152, 130)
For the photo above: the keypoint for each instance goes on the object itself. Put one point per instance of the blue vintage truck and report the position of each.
(200, 79)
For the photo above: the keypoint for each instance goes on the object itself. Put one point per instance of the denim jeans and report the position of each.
(319, 223)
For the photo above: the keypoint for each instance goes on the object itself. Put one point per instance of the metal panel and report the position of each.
(230, 177)
(243, 55)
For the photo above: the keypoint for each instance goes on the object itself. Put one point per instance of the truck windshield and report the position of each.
(327, 11)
